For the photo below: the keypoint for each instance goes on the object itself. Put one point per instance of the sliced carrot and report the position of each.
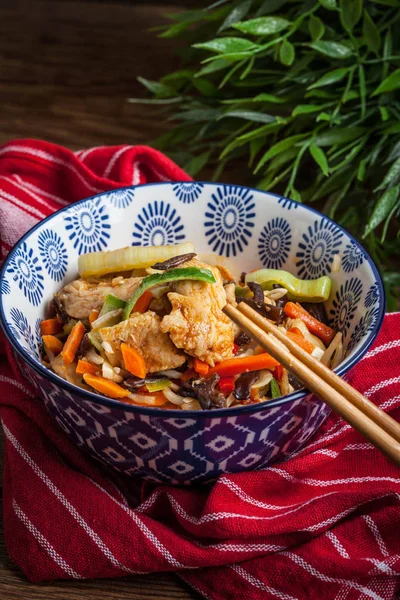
(296, 330)
(73, 342)
(143, 302)
(201, 367)
(235, 366)
(324, 332)
(50, 326)
(52, 344)
(105, 386)
(134, 362)
(189, 374)
(278, 372)
(259, 350)
(84, 366)
(301, 341)
(93, 315)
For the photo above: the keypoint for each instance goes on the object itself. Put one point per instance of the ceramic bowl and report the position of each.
(249, 226)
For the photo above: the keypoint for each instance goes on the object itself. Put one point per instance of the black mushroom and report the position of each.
(243, 385)
(242, 339)
(204, 390)
(173, 262)
(317, 310)
(257, 302)
(135, 383)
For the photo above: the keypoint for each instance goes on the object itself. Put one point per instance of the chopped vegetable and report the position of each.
(226, 385)
(95, 339)
(111, 303)
(93, 316)
(108, 319)
(235, 349)
(243, 385)
(68, 326)
(189, 374)
(278, 372)
(73, 342)
(173, 262)
(143, 302)
(50, 326)
(84, 366)
(236, 366)
(153, 399)
(157, 385)
(126, 259)
(299, 339)
(275, 389)
(200, 367)
(105, 386)
(52, 344)
(324, 332)
(193, 273)
(134, 362)
(315, 290)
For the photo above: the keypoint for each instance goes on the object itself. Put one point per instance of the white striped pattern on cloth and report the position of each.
(374, 529)
(337, 544)
(21, 204)
(113, 160)
(60, 496)
(37, 189)
(17, 384)
(26, 190)
(321, 483)
(389, 346)
(259, 584)
(45, 543)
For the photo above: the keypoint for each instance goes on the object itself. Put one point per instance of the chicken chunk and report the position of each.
(196, 323)
(82, 296)
(142, 332)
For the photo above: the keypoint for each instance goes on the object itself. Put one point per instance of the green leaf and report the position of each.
(395, 3)
(332, 49)
(361, 170)
(212, 67)
(227, 45)
(260, 131)
(382, 209)
(389, 84)
(331, 77)
(324, 117)
(316, 28)
(157, 88)
(384, 113)
(263, 25)
(205, 87)
(329, 4)
(268, 98)
(255, 147)
(286, 53)
(236, 15)
(270, 6)
(350, 13)
(350, 95)
(339, 136)
(195, 164)
(363, 89)
(295, 195)
(389, 220)
(249, 115)
(371, 35)
(174, 30)
(302, 109)
(279, 147)
(391, 176)
(320, 158)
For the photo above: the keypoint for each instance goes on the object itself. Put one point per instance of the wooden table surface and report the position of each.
(66, 69)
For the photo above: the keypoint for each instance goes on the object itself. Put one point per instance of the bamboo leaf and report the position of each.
(384, 113)
(371, 35)
(263, 25)
(278, 148)
(350, 13)
(331, 77)
(227, 45)
(270, 6)
(303, 109)
(236, 15)
(320, 158)
(391, 176)
(332, 49)
(382, 209)
(316, 28)
(339, 136)
(389, 84)
(329, 4)
(363, 89)
(159, 89)
(197, 163)
(249, 115)
(286, 53)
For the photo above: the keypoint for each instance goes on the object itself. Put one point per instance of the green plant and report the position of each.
(306, 93)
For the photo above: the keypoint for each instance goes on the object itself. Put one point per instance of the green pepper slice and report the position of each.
(111, 303)
(275, 389)
(299, 290)
(193, 273)
(157, 385)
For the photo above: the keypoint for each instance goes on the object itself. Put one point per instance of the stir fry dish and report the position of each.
(146, 326)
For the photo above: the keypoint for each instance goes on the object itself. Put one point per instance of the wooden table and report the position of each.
(66, 69)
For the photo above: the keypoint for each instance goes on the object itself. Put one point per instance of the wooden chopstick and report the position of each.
(314, 378)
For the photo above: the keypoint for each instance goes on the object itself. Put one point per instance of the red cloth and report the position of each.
(323, 524)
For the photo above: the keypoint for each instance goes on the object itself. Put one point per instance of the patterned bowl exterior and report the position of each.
(248, 225)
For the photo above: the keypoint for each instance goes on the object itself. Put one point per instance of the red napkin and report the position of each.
(323, 524)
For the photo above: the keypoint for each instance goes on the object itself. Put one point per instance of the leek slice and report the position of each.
(126, 259)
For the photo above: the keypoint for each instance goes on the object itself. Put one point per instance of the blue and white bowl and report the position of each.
(252, 227)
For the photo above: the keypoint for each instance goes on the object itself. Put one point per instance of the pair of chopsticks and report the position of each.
(362, 414)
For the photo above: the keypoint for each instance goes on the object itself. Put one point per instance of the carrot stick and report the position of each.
(300, 340)
(134, 362)
(52, 344)
(324, 332)
(50, 326)
(201, 367)
(143, 302)
(189, 374)
(84, 366)
(105, 386)
(73, 342)
(93, 316)
(235, 366)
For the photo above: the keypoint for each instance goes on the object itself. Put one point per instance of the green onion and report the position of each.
(157, 385)
(275, 389)
(95, 340)
(111, 303)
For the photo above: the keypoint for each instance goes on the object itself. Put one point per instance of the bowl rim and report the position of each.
(168, 413)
